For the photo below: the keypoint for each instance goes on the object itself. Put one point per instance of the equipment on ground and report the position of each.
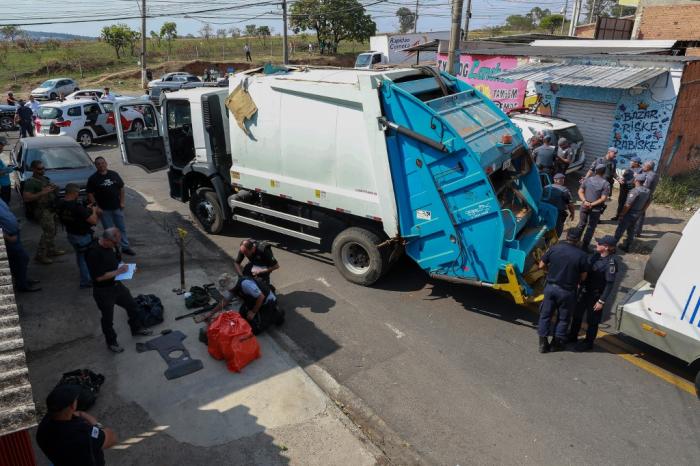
(89, 383)
(196, 312)
(150, 309)
(173, 351)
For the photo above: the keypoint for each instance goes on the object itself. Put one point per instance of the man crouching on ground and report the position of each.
(258, 301)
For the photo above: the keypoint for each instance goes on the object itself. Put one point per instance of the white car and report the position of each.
(531, 123)
(52, 89)
(83, 120)
(94, 94)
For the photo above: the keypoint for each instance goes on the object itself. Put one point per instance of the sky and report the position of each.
(433, 15)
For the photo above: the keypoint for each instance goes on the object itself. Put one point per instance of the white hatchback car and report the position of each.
(53, 88)
(94, 94)
(531, 123)
(83, 120)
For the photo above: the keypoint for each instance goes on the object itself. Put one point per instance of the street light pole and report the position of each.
(454, 34)
(144, 81)
(563, 14)
(467, 16)
(415, 19)
(285, 51)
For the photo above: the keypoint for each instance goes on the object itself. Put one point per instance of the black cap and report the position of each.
(607, 240)
(573, 234)
(62, 397)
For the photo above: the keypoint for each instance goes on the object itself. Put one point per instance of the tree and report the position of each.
(235, 32)
(552, 23)
(333, 21)
(168, 31)
(73, 57)
(10, 32)
(119, 36)
(206, 31)
(155, 38)
(536, 14)
(519, 22)
(250, 30)
(407, 19)
(221, 33)
(134, 38)
(263, 32)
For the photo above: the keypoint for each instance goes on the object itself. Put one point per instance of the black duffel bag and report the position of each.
(150, 309)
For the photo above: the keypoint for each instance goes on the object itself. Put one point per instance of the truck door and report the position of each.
(143, 147)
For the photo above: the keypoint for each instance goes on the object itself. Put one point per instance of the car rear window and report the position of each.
(73, 111)
(49, 113)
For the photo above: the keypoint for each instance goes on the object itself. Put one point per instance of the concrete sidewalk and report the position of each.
(270, 413)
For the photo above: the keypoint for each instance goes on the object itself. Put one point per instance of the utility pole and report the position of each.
(467, 16)
(590, 13)
(285, 46)
(563, 14)
(144, 81)
(455, 34)
(574, 17)
(415, 20)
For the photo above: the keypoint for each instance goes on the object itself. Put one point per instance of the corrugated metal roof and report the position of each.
(612, 77)
(17, 411)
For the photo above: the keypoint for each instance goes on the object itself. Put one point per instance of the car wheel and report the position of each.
(76, 89)
(53, 96)
(85, 138)
(206, 210)
(137, 125)
(7, 122)
(357, 257)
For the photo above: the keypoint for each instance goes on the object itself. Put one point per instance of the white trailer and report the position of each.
(390, 49)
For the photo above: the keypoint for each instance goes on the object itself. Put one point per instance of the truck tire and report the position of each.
(357, 257)
(659, 256)
(206, 210)
(697, 384)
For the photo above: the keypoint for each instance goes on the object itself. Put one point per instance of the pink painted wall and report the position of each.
(478, 70)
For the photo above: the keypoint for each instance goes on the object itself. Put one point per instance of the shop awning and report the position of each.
(612, 77)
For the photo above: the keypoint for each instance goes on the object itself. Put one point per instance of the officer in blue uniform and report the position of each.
(593, 193)
(650, 181)
(610, 162)
(637, 201)
(560, 197)
(595, 291)
(566, 267)
(544, 155)
(626, 182)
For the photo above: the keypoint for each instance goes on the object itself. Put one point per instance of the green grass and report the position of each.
(680, 191)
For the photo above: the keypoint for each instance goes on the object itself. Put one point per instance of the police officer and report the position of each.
(650, 181)
(593, 193)
(261, 261)
(566, 267)
(560, 197)
(565, 155)
(637, 201)
(259, 303)
(544, 156)
(626, 182)
(610, 163)
(595, 292)
(536, 140)
(40, 194)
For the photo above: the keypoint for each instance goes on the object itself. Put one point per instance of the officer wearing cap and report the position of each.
(603, 265)
(536, 140)
(593, 193)
(610, 163)
(69, 437)
(560, 197)
(626, 182)
(566, 267)
(637, 201)
(565, 155)
(651, 179)
(544, 155)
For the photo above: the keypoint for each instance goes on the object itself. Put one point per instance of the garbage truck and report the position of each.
(369, 164)
(663, 310)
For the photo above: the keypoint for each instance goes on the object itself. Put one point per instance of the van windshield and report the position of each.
(363, 60)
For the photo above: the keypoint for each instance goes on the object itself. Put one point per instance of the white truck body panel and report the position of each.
(315, 139)
(392, 46)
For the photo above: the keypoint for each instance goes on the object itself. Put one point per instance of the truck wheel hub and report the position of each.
(205, 212)
(355, 258)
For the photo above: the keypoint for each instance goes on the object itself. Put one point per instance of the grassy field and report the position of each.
(95, 63)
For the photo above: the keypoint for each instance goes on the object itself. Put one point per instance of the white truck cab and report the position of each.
(663, 310)
(368, 60)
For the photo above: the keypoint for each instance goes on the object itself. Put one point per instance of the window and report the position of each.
(92, 108)
(108, 106)
(178, 114)
(49, 113)
(60, 157)
(192, 79)
(74, 111)
(376, 58)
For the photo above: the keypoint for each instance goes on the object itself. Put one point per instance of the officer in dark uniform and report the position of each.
(593, 193)
(637, 201)
(560, 197)
(544, 156)
(565, 155)
(650, 181)
(261, 261)
(595, 292)
(626, 182)
(610, 163)
(566, 267)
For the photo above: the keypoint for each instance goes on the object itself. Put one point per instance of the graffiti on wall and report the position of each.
(479, 71)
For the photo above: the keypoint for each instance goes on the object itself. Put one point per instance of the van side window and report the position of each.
(74, 111)
(376, 59)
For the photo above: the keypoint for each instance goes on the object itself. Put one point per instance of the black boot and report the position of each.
(544, 345)
(557, 344)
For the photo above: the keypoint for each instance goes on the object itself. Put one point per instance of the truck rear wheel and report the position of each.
(357, 257)
(206, 210)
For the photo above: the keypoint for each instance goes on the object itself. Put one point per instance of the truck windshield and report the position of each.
(363, 60)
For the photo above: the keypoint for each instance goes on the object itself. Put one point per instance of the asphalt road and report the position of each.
(455, 370)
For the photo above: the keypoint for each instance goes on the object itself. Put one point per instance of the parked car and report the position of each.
(51, 89)
(94, 94)
(173, 82)
(64, 159)
(7, 117)
(531, 123)
(82, 120)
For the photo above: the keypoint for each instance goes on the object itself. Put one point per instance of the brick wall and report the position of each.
(679, 22)
(682, 149)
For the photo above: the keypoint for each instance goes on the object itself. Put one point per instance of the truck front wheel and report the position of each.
(205, 208)
(697, 383)
(357, 256)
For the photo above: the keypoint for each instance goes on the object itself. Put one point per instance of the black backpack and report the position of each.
(150, 309)
(89, 383)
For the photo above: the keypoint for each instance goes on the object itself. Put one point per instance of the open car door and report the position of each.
(142, 146)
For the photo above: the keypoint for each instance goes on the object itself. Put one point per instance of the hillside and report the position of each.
(42, 35)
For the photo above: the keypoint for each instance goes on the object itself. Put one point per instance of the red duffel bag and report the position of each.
(231, 338)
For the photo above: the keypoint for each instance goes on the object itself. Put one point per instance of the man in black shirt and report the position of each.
(103, 264)
(261, 261)
(69, 437)
(105, 189)
(24, 116)
(78, 221)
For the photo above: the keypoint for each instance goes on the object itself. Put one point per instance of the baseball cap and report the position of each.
(600, 166)
(573, 234)
(226, 282)
(640, 177)
(636, 159)
(607, 240)
(559, 176)
(72, 188)
(61, 397)
(612, 149)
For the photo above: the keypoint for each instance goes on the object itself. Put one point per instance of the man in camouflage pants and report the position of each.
(40, 195)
